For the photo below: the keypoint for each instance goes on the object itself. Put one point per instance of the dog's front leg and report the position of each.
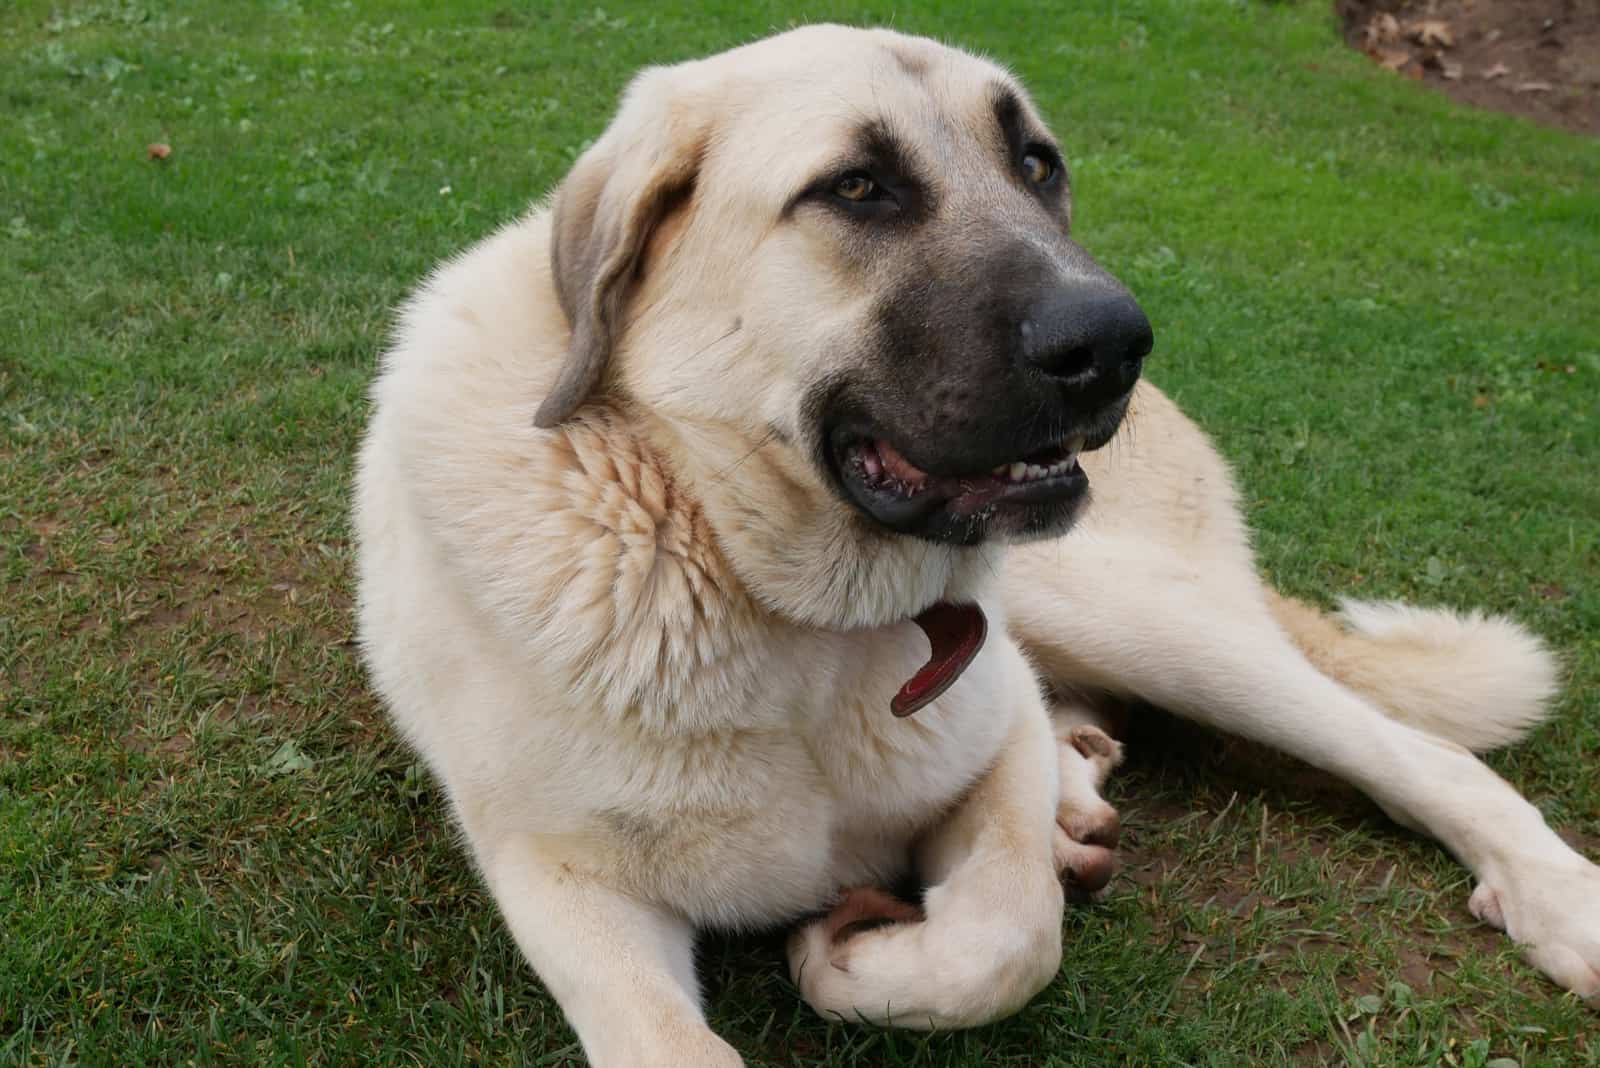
(991, 936)
(622, 970)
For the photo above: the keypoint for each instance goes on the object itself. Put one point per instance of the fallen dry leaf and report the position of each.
(1383, 28)
(1480, 401)
(1534, 87)
(1451, 71)
(158, 150)
(1499, 70)
(1392, 58)
(1431, 33)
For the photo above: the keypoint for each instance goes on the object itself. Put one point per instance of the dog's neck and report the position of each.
(802, 553)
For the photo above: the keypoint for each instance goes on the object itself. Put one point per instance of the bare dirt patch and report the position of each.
(1536, 58)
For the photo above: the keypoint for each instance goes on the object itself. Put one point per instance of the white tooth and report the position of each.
(1017, 470)
(1035, 471)
(1075, 445)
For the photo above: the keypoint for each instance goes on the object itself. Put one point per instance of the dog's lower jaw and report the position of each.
(870, 577)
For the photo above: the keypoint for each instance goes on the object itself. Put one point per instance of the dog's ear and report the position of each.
(605, 210)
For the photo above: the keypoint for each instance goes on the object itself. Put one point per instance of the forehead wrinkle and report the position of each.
(941, 123)
(913, 119)
(963, 108)
(936, 104)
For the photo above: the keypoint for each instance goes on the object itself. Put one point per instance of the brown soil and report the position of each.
(1536, 58)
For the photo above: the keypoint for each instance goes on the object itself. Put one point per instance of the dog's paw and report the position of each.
(867, 926)
(1552, 910)
(1087, 828)
(876, 959)
(1100, 751)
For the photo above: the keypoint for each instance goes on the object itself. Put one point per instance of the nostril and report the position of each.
(1060, 350)
(1069, 363)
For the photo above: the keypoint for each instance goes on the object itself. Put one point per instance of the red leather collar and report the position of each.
(956, 633)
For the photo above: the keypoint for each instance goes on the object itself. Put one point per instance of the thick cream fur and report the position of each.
(649, 654)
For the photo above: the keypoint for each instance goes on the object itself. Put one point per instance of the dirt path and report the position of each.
(1536, 58)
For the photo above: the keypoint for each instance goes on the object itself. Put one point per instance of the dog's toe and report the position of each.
(1085, 844)
(1099, 752)
(1085, 870)
(1485, 905)
(1098, 825)
(1095, 744)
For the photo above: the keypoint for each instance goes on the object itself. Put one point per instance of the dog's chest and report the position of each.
(753, 766)
(901, 773)
(757, 824)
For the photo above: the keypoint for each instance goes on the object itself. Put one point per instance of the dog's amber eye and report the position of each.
(1038, 169)
(856, 187)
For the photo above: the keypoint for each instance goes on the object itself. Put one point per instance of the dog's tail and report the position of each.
(1476, 680)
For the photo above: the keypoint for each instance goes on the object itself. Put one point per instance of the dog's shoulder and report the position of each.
(579, 543)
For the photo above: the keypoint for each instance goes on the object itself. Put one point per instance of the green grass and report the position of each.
(212, 850)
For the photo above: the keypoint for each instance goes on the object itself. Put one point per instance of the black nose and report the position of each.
(1092, 339)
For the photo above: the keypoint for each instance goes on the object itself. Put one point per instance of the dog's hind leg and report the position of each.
(622, 971)
(1199, 638)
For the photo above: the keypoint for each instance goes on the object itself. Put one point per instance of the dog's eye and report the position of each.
(1038, 167)
(855, 187)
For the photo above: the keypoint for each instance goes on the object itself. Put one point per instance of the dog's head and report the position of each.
(856, 245)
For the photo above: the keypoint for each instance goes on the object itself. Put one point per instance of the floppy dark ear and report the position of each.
(604, 214)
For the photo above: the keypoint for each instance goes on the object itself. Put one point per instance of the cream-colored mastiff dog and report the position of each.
(714, 553)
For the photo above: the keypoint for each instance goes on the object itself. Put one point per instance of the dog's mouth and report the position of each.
(1029, 494)
(883, 469)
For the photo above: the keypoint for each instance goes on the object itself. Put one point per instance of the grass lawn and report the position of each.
(212, 849)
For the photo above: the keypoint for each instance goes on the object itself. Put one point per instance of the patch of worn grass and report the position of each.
(211, 848)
